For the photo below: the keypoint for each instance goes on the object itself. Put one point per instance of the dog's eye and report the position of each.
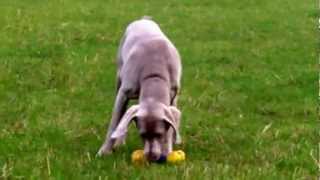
(151, 135)
(157, 135)
(144, 135)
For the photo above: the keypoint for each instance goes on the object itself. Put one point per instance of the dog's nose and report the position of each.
(152, 156)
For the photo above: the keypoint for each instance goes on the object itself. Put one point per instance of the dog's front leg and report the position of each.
(118, 111)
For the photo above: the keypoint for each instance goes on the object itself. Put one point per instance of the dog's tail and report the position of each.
(147, 17)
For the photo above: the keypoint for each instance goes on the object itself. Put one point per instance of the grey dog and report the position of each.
(149, 69)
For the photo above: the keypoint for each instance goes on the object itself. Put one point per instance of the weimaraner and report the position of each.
(149, 69)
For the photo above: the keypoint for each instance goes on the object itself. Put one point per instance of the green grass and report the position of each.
(248, 97)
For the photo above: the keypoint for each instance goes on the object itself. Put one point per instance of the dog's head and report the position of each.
(153, 121)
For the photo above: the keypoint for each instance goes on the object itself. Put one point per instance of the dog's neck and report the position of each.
(155, 88)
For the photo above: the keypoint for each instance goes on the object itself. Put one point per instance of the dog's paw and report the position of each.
(104, 150)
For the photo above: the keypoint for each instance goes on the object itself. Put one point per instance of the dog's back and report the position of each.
(145, 52)
(137, 31)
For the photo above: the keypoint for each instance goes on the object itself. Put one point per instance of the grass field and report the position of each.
(249, 90)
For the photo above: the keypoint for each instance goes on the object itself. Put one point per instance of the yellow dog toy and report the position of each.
(175, 157)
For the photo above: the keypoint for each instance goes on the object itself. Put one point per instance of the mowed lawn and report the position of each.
(249, 90)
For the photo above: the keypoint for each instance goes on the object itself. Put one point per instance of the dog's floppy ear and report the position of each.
(172, 116)
(122, 127)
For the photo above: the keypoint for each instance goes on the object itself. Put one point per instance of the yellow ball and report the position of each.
(176, 157)
(137, 157)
